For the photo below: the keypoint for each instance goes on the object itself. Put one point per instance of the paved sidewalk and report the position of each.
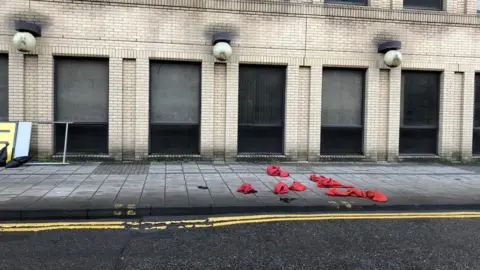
(103, 190)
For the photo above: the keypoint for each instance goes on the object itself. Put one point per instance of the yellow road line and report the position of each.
(225, 221)
(229, 218)
(157, 228)
(62, 224)
(251, 221)
(203, 225)
(176, 221)
(252, 217)
(51, 228)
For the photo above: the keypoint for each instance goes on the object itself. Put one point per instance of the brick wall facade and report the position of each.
(305, 35)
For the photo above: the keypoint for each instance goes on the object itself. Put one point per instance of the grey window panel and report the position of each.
(476, 118)
(81, 90)
(3, 87)
(261, 95)
(423, 4)
(420, 98)
(175, 92)
(342, 97)
(351, 2)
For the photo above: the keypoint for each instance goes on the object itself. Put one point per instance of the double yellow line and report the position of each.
(227, 221)
(48, 226)
(223, 221)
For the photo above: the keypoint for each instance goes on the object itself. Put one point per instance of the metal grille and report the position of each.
(122, 168)
(476, 142)
(82, 138)
(420, 98)
(424, 4)
(174, 139)
(261, 109)
(354, 2)
(420, 102)
(3, 87)
(476, 118)
(261, 95)
(418, 141)
(175, 107)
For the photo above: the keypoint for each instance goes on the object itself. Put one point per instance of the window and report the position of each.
(423, 4)
(175, 107)
(342, 111)
(3, 87)
(419, 112)
(81, 96)
(476, 117)
(261, 109)
(352, 2)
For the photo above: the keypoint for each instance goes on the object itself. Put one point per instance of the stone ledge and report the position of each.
(302, 9)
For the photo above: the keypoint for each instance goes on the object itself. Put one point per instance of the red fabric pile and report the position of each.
(355, 192)
(280, 188)
(276, 171)
(322, 182)
(325, 182)
(246, 188)
(297, 186)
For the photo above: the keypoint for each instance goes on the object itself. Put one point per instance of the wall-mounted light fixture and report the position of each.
(25, 38)
(221, 46)
(392, 58)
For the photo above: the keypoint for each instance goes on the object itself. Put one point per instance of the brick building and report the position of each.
(305, 81)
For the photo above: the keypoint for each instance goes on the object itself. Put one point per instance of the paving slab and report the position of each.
(126, 190)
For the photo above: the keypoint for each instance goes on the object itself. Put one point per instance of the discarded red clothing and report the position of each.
(297, 186)
(280, 188)
(355, 192)
(276, 171)
(246, 188)
(325, 182)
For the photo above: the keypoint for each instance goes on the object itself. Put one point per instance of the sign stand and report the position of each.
(64, 155)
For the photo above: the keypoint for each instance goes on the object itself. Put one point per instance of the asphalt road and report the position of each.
(328, 244)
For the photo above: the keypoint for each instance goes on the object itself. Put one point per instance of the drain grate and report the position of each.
(122, 168)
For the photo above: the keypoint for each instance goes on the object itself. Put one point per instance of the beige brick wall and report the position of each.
(115, 108)
(219, 131)
(315, 112)
(31, 103)
(45, 104)
(450, 114)
(207, 110)
(381, 115)
(456, 110)
(141, 108)
(303, 110)
(468, 99)
(393, 114)
(16, 91)
(372, 115)
(305, 35)
(231, 111)
(461, 6)
(291, 112)
(128, 106)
